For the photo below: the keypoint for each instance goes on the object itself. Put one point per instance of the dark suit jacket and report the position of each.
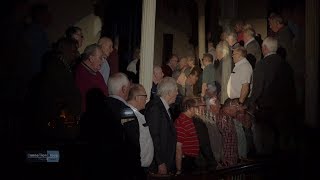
(129, 128)
(112, 132)
(163, 133)
(273, 85)
(254, 48)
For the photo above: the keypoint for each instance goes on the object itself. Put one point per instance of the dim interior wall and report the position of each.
(181, 45)
(260, 26)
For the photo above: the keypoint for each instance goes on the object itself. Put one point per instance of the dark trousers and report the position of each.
(188, 164)
(206, 159)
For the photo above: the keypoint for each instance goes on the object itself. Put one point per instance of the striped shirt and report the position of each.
(187, 136)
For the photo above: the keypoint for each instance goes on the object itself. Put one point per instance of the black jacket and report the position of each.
(112, 132)
(129, 132)
(273, 85)
(163, 133)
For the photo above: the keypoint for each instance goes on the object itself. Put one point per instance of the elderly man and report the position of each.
(127, 124)
(240, 78)
(157, 77)
(239, 87)
(161, 126)
(252, 46)
(106, 47)
(273, 90)
(137, 99)
(87, 73)
(170, 66)
(232, 40)
(186, 86)
(283, 35)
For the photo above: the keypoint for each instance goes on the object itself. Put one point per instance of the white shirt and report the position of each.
(105, 70)
(132, 67)
(146, 144)
(241, 74)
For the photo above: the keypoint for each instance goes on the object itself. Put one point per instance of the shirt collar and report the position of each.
(88, 68)
(240, 62)
(250, 40)
(270, 53)
(119, 98)
(134, 109)
(166, 105)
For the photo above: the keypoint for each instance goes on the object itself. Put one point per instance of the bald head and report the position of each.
(157, 74)
(106, 45)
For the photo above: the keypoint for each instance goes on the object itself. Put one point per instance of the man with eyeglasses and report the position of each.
(136, 101)
(239, 87)
(240, 78)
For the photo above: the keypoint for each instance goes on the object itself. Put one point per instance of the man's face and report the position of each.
(107, 48)
(193, 78)
(229, 40)
(236, 56)
(182, 63)
(96, 60)
(141, 99)
(238, 28)
(158, 74)
(273, 25)
(173, 95)
(232, 110)
(79, 37)
(174, 62)
(214, 105)
(192, 111)
(205, 61)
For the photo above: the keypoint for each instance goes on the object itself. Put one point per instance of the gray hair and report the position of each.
(166, 85)
(249, 31)
(90, 50)
(232, 35)
(134, 90)
(241, 50)
(116, 82)
(271, 44)
(223, 46)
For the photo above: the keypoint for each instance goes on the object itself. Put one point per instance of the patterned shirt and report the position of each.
(230, 140)
(187, 136)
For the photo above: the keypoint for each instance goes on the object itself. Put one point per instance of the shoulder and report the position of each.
(246, 65)
(153, 104)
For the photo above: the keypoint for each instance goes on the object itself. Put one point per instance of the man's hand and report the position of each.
(162, 169)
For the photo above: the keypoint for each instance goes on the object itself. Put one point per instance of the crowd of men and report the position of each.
(238, 106)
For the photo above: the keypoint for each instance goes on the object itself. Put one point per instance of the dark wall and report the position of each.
(123, 18)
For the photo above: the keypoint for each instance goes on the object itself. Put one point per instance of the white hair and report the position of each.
(232, 35)
(224, 48)
(166, 85)
(116, 82)
(271, 44)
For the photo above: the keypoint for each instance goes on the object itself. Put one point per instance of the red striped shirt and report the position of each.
(187, 136)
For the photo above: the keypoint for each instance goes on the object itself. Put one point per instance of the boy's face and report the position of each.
(232, 110)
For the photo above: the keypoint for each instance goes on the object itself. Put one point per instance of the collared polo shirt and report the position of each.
(241, 74)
